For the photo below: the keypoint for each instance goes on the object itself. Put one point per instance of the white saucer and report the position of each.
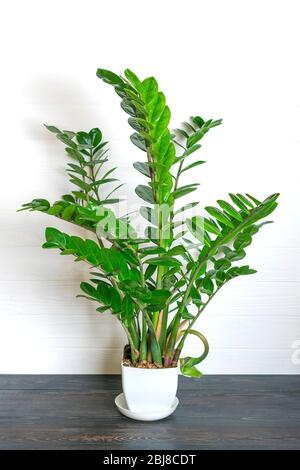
(143, 415)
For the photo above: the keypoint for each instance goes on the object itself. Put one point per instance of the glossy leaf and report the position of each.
(145, 193)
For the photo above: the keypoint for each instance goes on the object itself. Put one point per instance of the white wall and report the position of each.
(230, 59)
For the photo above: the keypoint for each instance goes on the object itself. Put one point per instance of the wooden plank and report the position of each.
(216, 412)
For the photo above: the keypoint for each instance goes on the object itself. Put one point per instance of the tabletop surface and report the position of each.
(215, 412)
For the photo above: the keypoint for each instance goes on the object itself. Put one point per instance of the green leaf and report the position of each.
(88, 289)
(156, 107)
(220, 277)
(74, 153)
(184, 190)
(84, 139)
(66, 140)
(241, 241)
(177, 250)
(93, 252)
(149, 214)
(245, 270)
(55, 209)
(134, 98)
(163, 122)
(70, 134)
(133, 79)
(150, 271)
(139, 141)
(230, 209)
(68, 198)
(256, 201)
(81, 184)
(104, 293)
(186, 315)
(186, 207)
(236, 255)
(128, 310)
(219, 215)
(158, 296)
(36, 205)
(149, 89)
(245, 200)
(140, 124)
(211, 227)
(188, 152)
(164, 261)
(222, 263)
(79, 245)
(181, 133)
(239, 203)
(190, 371)
(53, 129)
(198, 224)
(161, 147)
(198, 121)
(111, 260)
(207, 286)
(232, 272)
(171, 272)
(152, 250)
(109, 77)
(192, 165)
(194, 138)
(196, 227)
(145, 193)
(49, 245)
(55, 237)
(128, 108)
(95, 136)
(143, 168)
(68, 212)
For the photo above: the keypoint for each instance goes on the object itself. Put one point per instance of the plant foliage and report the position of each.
(157, 285)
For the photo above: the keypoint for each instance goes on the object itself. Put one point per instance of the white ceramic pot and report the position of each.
(149, 390)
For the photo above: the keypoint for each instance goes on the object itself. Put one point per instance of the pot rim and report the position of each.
(150, 370)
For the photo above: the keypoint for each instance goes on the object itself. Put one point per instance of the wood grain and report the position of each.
(215, 412)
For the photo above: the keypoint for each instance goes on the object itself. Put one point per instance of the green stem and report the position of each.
(155, 349)
(84, 181)
(143, 346)
(192, 361)
(176, 184)
(93, 178)
(133, 332)
(188, 330)
(164, 326)
(132, 346)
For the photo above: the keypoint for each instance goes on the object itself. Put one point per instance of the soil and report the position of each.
(140, 365)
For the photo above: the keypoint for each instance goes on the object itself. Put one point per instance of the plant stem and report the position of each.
(187, 331)
(143, 346)
(132, 346)
(155, 349)
(133, 332)
(92, 174)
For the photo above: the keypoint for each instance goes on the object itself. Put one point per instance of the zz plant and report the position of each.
(156, 285)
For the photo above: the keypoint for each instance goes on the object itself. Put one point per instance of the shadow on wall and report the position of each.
(65, 104)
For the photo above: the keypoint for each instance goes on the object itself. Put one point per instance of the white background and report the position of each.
(234, 59)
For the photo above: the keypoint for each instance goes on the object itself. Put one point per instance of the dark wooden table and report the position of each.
(215, 412)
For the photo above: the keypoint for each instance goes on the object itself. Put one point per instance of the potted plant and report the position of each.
(156, 284)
